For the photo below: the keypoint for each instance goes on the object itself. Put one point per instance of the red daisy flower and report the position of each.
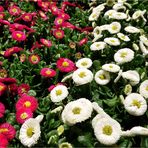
(18, 35)
(65, 16)
(8, 80)
(23, 114)
(16, 26)
(68, 25)
(34, 59)
(1, 9)
(13, 89)
(65, 65)
(43, 15)
(27, 102)
(23, 89)
(14, 10)
(8, 130)
(54, 9)
(47, 72)
(46, 42)
(2, 15)
(27, 17)
(59, 21)
(83, 41)
(3, 141)
(2, 88)
(2, 110)
(58, 33)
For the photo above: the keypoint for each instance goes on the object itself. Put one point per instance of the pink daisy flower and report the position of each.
(3, 141)
(14, 10)
(54, 9)
(59, 21)
(65, 65)
(27, 17)
(43, 15)
(2, 15)
(47, 72)
(34, 59)
(2, 88)
(2, 110)
(27, 102)
(23, 89)
(46, 42)
(22, 58)
(8, 130)
(1, 9)
(23, 114)
(83, 41)
(13, 89)
(68, 25)
(18, 35)
(65, 16)
(58, 33)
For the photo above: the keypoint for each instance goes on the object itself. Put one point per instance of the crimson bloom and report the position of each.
(46, 42)
(14, 10)
(1, 9)
(47, 72)
(23, 89)
(23, 114)
(65, 65)
(2, 88)
(3, 141)
(65, 16)
(68, 25)
(2, 110)
(8, 80)
(27, 17)
(34, 59)
(54, 9)
(58, 33)
(18, 35)
(27, 102)
(59, 21)
(43, 15)
(8, 130)
(13, 89)
(2, 15)
(83, 41)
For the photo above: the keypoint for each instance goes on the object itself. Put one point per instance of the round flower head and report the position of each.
(84, 63)
(14, 10)
(111, 68)
(114, 27)
(22, 57)
(124, 55)
(123, 37)
(27, 17)
(58, 33)
(2, 88)
(27, 102)
(97, 46)
(77, 111)
(18, 35)
(58, 93)
(30, 131)
(107, 131)
(3, 141)
(47, 72)
(34, 59)
(82, 76)
(144, 40)
(65, 65)
(94, 16)
(2, 110)
(46, 42)
(8, 130)
(119, 16)
(23, 89)
(110, 13)
(43, 15)
(2, 15)
(102, 77)
(132, 76)
(23, 114)
(131, 29)
(112, 41)
(143, 89)
(135, 104)
(97, 32)
(59, 21)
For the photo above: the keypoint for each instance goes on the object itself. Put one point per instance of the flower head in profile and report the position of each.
(14, 10)
(110, 13)
(94, 16)
(119, 16)
(131, 29)
(84, 63)
(34, 59)
(23, 89)
(143, 89)
(58, 33)
(2, 110)
(83, 41)
(2, 88)
(47, 72)
(123, 37)
(111, 67)
(65, 65)
(112, 41)
(18, 35)
(97, 46)
(46, 42)
(27, 102)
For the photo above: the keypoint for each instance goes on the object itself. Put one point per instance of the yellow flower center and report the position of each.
(136, 103)
(94, 15)
(24, 116)
(82, 74)
(97, 45)
(123, 54)
(59, 21)
(18, 35)
(27, 104)
(58, 92)
(107, 130)
(110, 66)
(1, 88)
(102, 77)
(34, 58)
(30, 132)
(14, 10)
(1, 16)
(48, 72)
(84, 63)
(27, 17)
(58, 34)
(2, 130)
(114, 27)
(97, 32)
(123, 37)
(146, 88)
(113, 41)
(65, 64)
(76, 110)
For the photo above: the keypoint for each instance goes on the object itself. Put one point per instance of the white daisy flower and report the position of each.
(97, 46)
(135, 104)
(94, 16)
(77, 111)
(104, 27)
(143, 89)
(112, 41)
(143, 48)
(111, 67)
(138, 14)
(114, 27)
(84, 63)
(57, 109)
(128, 89)
(122, 1)
(132, 76)
(144, 40)
(123, 37)
(97, 32)
(131, 29)
(30, 131)
(82, 76)
(135, 47)
(124, 55)
(119, 6)
(119, 16)
(99, 8)
(107, 131)
(102, 77)
(110, 13)
(66, 78)
(58, 93)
